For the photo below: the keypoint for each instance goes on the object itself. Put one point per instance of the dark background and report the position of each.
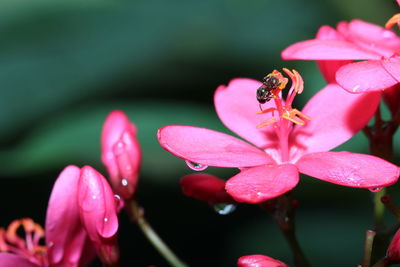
(64, 65)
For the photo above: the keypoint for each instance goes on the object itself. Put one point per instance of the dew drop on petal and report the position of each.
(376, 189)
(124, 182)
(196, 166)
(105, 219)
(224, 209)
(355, 88)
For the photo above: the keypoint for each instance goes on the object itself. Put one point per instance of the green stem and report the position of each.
(379, 210)
(282, 209)
(137, 215)
(369, 240)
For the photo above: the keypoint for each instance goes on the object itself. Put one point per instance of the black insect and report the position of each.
(264, 93)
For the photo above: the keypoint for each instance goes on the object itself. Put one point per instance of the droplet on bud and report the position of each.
(124, 182)
(196, 166)
(224, 209)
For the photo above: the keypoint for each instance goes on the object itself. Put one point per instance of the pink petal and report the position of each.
(121, 153)
(327, 50)
(261, 183)
(336, 116)
(373, 38)
(12, 260)
(65, 237)
(393, 251)
(364, 76)
(392, 66)
(237, 108)
(97, 205)
(205, 187)
(391, 96)
(349, 169)
(259, 261)
(329, 68)
(210, 148)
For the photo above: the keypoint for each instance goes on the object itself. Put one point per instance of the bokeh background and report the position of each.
(64, 65)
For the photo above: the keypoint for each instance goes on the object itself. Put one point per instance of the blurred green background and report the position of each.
(64, 65)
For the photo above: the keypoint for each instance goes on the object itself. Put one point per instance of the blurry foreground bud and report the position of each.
(98, 212)
(121, 153)
(205, 187)
(393, 251)
(259, 261)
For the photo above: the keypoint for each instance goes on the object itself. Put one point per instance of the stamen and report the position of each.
(267, 122)
(285, 111)
(392, 21)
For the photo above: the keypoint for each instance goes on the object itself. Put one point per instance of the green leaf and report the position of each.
(74, 138)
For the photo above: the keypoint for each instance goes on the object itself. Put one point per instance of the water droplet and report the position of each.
(258, 193)
(196, 166)
(286, 219)
(105, 219)
(94, 196)
(376, 189)
(124, 182)
(355, 88)
(224, 209)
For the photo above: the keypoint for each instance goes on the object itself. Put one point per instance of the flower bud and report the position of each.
(121, 153)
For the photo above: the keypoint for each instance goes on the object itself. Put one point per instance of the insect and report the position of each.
(266, 91)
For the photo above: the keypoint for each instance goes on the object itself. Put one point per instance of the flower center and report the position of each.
(29, 248)
(282, 115)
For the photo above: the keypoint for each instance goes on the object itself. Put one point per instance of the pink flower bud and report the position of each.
(121, 153)
(98, 212)
(205, 187)
(65, 235)
(259, 261)
(393, 251)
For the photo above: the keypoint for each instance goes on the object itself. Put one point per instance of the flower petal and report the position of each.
(210, 148)
(349, 169)
(65, 238)
(97, 205)
(364, 76)
(12, 260)
(261, 183)
(373, 38)
(336, 116)
(237, 107)
(393, 251)
(259, 261)
(205, 187)
(391, 96)
(392, 66)
(327, 50)
(329, 68)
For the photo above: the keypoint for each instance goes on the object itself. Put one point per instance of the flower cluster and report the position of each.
(285, 141)
(81, 219)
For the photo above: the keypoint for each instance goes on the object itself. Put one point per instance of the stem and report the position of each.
(379, 209)
(282, 209)
(137, 215)
(369, 240)
(380, 137)
(381, 263)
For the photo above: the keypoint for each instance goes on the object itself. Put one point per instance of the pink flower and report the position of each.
(66, 239)
(121, 153)
(270, 167)
(98, 212)
(205, 187)
(259, 261)
(377, 47)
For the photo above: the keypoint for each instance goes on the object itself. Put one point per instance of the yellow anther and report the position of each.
(392, 21)
(267, 122)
